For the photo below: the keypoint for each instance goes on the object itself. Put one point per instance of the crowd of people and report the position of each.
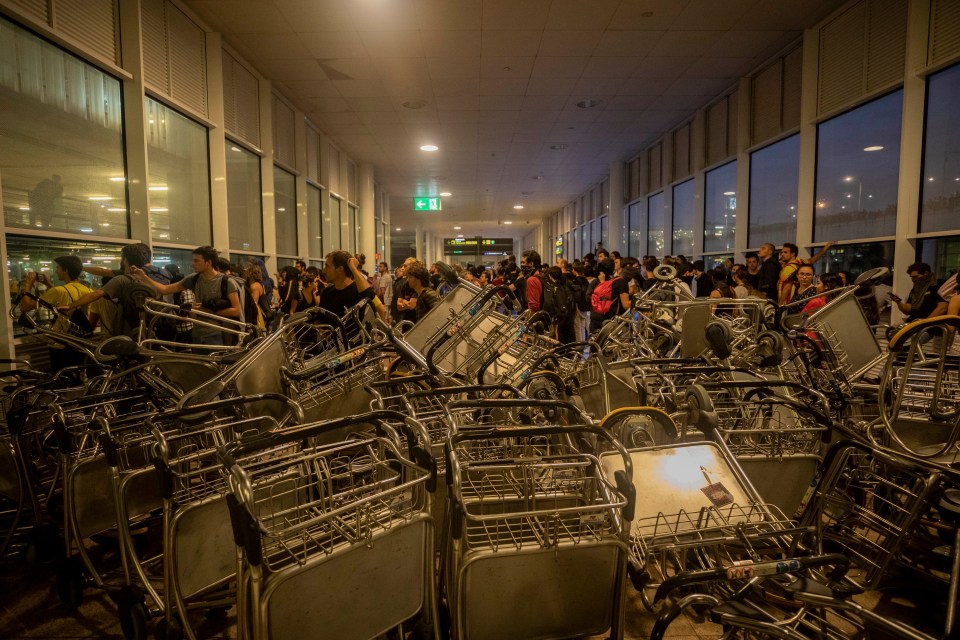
(571, 298)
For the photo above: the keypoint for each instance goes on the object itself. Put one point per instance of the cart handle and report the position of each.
(469, 388)
(748, 569)
(484, 296)
(519, 403)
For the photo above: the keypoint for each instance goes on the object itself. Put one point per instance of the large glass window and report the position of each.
(634, 229)
(856, 258)
(720, 209)
(183, 258)
(331, 226)
(243, 199)
(604, 232)
(314, 230)
(576, 242)
(774, 173)
(179, 177)
(683, 219)
(942, 254)
(585, 246)
(594, 233)
(285, 204)
(352, 230)
(61, 140)
(655, 206)
(941, 154)
(858, 165)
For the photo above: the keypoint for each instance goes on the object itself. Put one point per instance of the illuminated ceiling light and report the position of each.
(729, 193)
(457, 228)
(104, 224)
(445, 194)
(234, 148)
(158, 209)
(24, 208)
(429, 147)
(116, 209)
(86, 229)
(459, 235)
(508, 222)
(158, 187)
(930, 179)
(164, 235)
(397, 229)
(117, 179)
(282, 209)
(97, 198)
(873, 148)
(518, 206)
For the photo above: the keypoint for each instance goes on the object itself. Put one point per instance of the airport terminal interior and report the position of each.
(480, 319)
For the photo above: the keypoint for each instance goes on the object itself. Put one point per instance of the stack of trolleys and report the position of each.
(537, 546)
(696, 510)
(176, 451)
(90, 506)
(335, 540)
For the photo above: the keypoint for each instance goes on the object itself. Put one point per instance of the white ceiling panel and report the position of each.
(499, 80)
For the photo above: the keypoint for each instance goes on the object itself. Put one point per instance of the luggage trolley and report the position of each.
(536, 545)
(336, 539)
(695, 510)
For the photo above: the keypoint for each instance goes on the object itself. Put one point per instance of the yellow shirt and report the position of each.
(61, 296)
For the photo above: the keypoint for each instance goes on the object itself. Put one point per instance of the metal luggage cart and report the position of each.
(536, 545)
(199, 556)
(336, 539)
(696, 510)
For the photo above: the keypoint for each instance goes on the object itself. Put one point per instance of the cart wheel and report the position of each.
(71, 581)
(44, 545)
(169, 629)
(133, 620)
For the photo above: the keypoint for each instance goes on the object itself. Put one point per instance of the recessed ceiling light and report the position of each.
(413, 104)
(457, 228)
(729, 193)
(397, 229)
(556, 147)
(100, 198)
(588, 104)
(518, 206)
(459, 235)
(158, 187)
(428, 147)
(873, 148)
(445, 194)
(117, 179)
(508, 222)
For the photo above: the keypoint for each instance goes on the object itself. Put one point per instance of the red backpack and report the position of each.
(602, 299)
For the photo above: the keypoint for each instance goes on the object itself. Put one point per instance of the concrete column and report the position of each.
(366, 215)
(617, 218)
(134, 121)
(911, 149)
(806, 185)
(742, 225)
(419, 243)
(300, 182)
(699, 151)
(217, 145)
(266, 177)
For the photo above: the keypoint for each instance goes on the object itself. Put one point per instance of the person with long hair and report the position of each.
(253, 311)
(828, 282)
(289, 289)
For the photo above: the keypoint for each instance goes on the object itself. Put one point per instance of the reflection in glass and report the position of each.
(285, 204)
(774, 173)
(243, 199)
(720, 209)
(26, 254)
(604, 223)
(655, 206)
(183, 258)
(179, 189)
(585, 246)
(683, 219)
(352, 229)
(315, 235)
(942, 254)
(594, 233)
(634, 222)
(62, 139)
(856, 258)
(858, 165)
(576, 238)
(331, 226)
(941, 156)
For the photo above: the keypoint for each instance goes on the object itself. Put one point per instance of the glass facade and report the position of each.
(720, 209)
(243, 199)
(179, 188)
(858, 171)
(774, 173)
(655, 208)
(942, 254)
(683, 206)
(634, 229)
(314, 229)
(940, 205)
(856, 257)
(285, 205)
(61, 140)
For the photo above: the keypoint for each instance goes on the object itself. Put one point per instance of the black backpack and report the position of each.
(558, 300)
(578, 287)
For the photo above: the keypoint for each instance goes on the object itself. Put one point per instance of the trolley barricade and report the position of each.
(90, 507)
(199, 557)
(237, 334)
(316, 525)
(696, 509)
(391, 394)
(533, 511)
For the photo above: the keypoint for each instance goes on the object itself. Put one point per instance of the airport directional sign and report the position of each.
(426, 204)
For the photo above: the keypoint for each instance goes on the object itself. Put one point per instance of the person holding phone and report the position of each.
(68, 270)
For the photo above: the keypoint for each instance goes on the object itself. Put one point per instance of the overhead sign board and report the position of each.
(426, 204)
(476, 246)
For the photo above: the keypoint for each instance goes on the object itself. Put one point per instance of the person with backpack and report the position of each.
(215, 293)
(579, 285)
(609, 298)
(529, 281)
(559, 304)
(68, 271)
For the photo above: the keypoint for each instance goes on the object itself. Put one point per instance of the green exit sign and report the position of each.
(426, 204)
